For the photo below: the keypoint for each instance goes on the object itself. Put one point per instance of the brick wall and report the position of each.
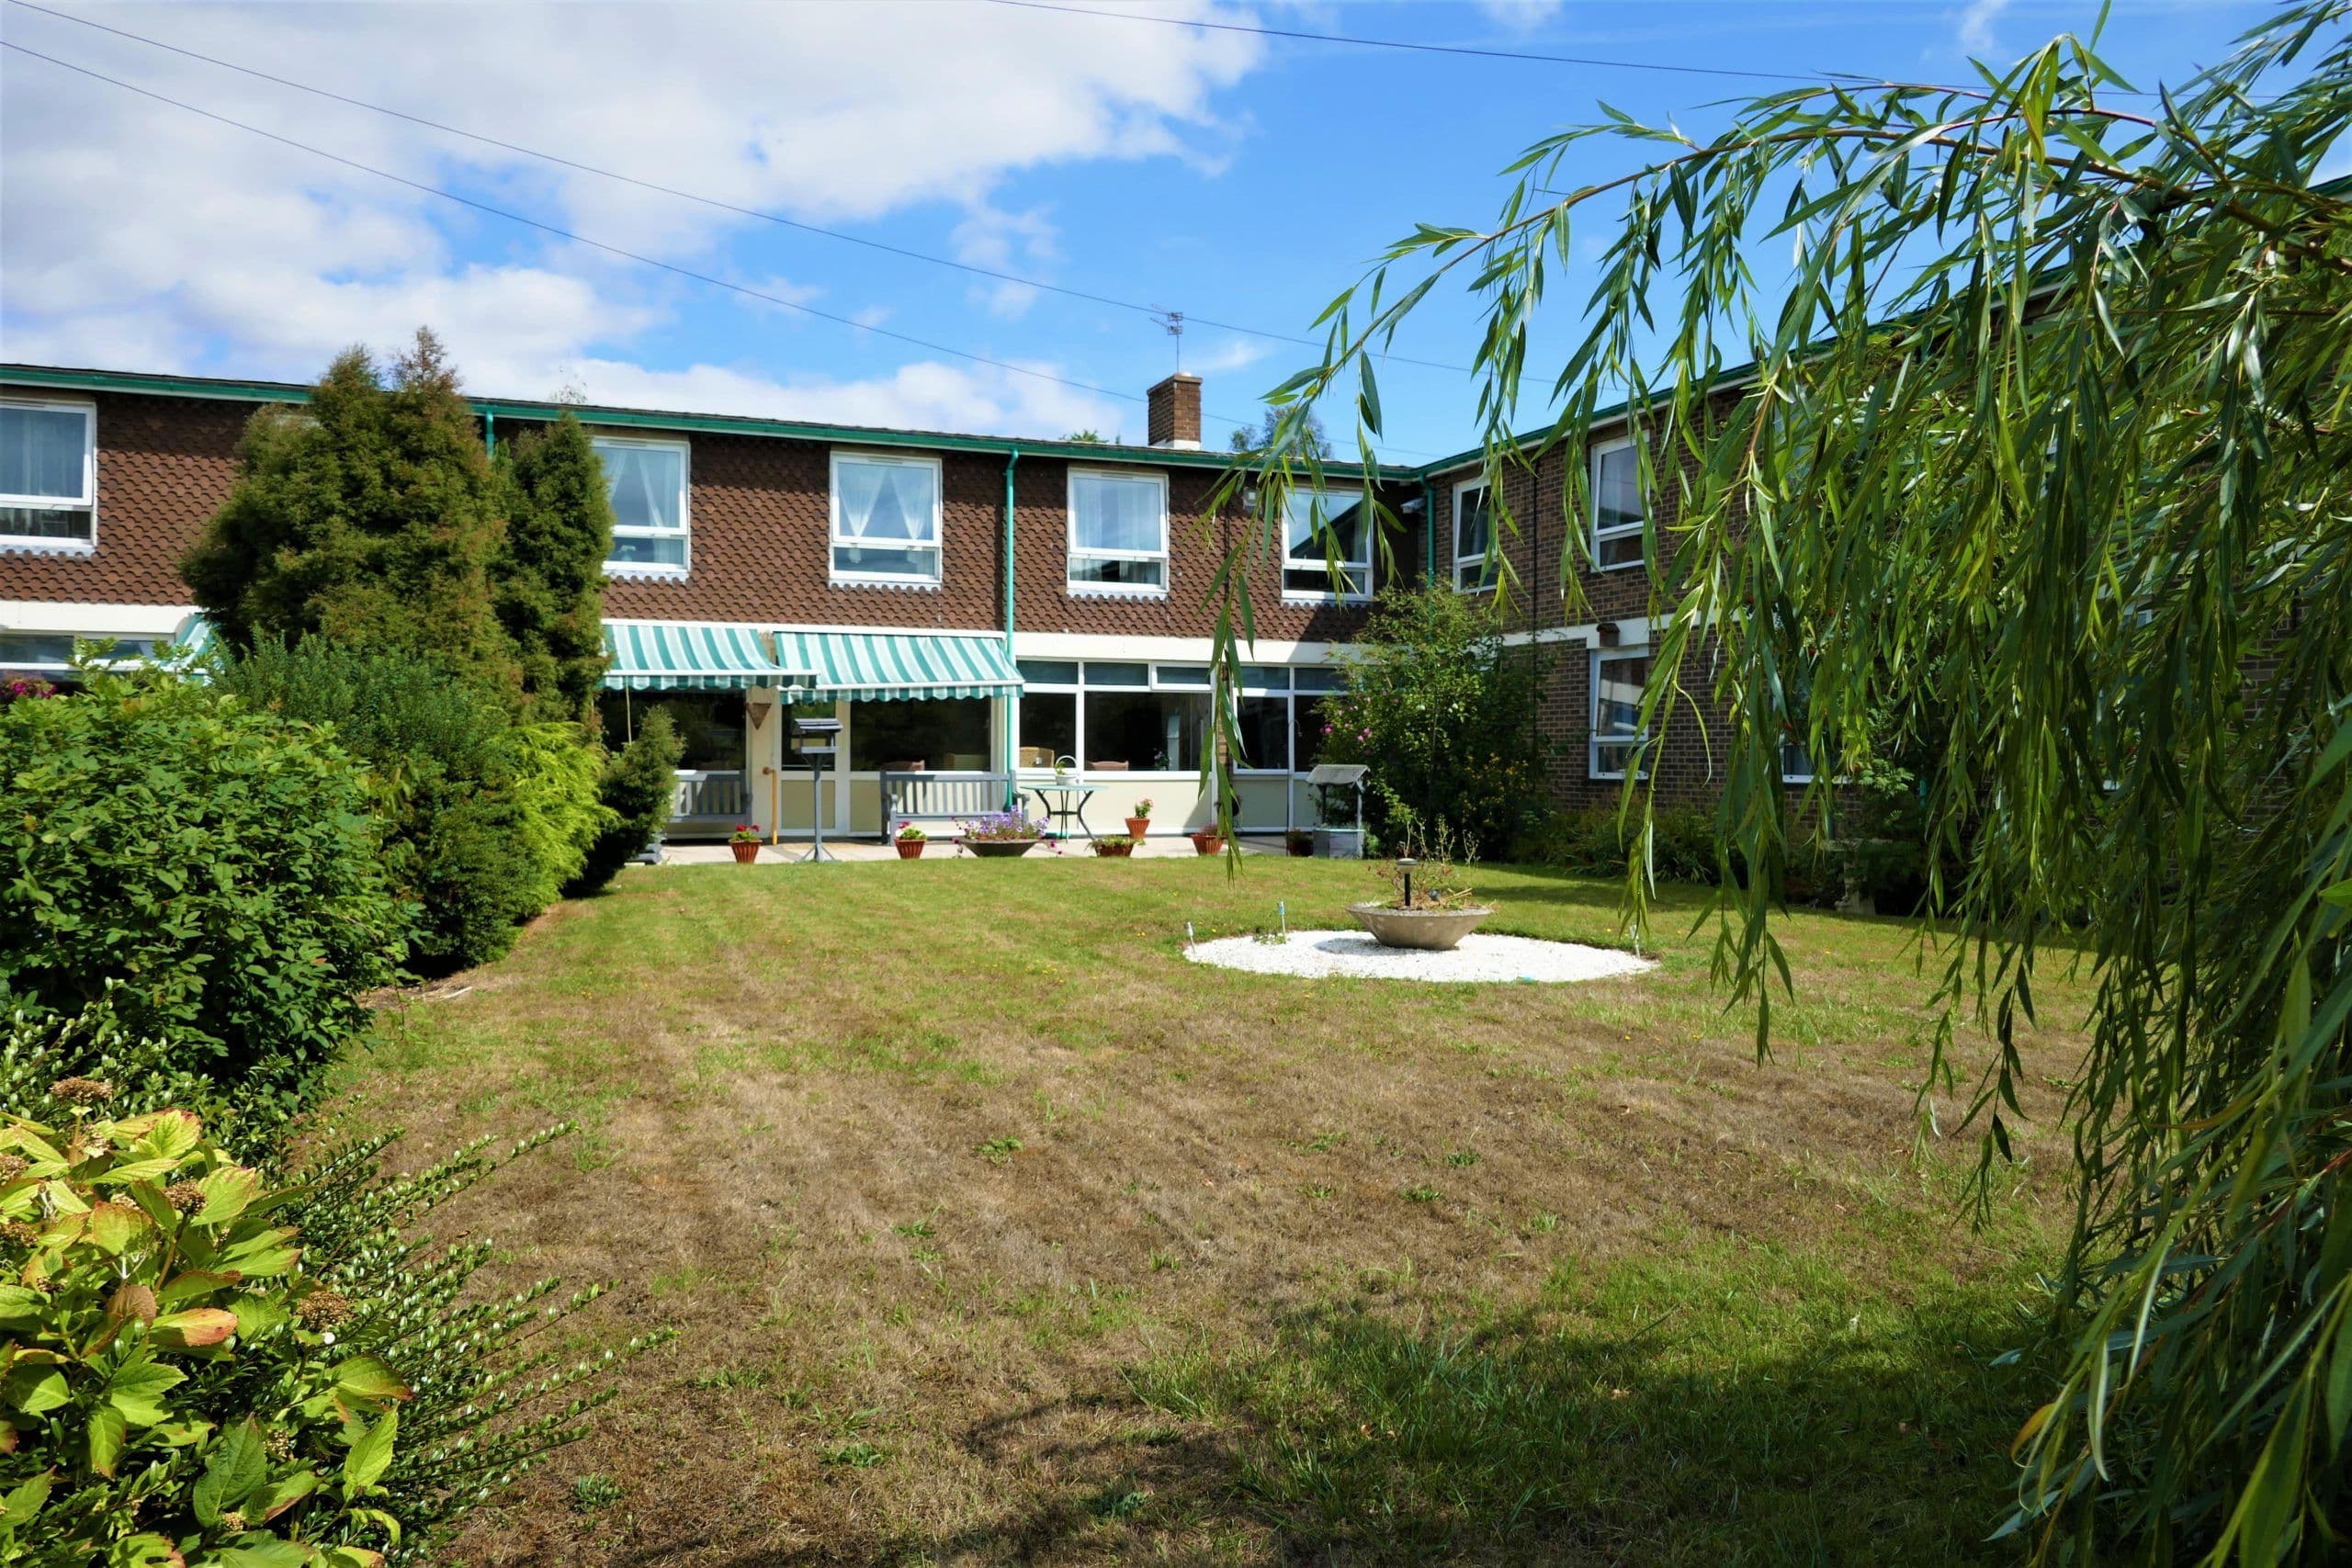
(1198, 540)
(760, 516)
(165, 466)
(1536, 604)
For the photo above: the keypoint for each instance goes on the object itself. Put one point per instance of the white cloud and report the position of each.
(1975, 26)
(136, 234)
(1230, 354)
(925, 396)
(1006, 242)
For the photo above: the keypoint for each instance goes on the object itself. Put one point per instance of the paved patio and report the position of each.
(1159, 847)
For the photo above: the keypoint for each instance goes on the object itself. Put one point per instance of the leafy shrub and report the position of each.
(203, 1362)
(219, 861)
(639, 785)
(1443, 715)
(1587, 842)
(483, 816)
(557, 781)
(173, 1386)
(147, 1074)
(1682, 849)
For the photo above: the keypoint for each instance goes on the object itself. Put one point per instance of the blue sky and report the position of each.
(1235, 177)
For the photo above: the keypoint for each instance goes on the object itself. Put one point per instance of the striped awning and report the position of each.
(665, 656)
(869, 666)
(195, 636)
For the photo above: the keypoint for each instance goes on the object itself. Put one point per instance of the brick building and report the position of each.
(962, 603)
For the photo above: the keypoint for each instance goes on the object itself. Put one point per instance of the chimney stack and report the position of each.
(1175, 414)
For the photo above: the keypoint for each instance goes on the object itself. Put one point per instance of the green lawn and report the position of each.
(996, 1232)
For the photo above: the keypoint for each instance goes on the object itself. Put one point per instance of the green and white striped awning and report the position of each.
(869, 666)
(704, 656)
(195, 636)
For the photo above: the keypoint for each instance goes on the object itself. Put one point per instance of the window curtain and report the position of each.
(886, 502)
(642, 482)
(1118, 515)
(41, 453)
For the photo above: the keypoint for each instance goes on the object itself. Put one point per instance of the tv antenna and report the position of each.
(1173, 320)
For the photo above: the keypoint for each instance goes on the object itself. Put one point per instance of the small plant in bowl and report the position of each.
(1001, 834)
(1114, 844)
(1429, 904)
(1207, 841)
(1141, 823)
(911, 840)
(745, 841)
(1299, 841)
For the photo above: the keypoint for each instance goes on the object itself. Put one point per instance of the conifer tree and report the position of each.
(548, 579)
(369, 515)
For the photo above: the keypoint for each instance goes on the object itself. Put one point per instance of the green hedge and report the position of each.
(487, 820)
(1682, 849)
(640, 784)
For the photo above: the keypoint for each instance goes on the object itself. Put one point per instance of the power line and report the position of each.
(1297, 35)
(643, 184)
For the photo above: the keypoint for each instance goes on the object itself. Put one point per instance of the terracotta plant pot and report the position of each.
(1138, 826)
(1107, 848)
(1000, 848)
(1300, 845)
(745, 853)
(1432, 930)
(910, 849)
(1207, 843)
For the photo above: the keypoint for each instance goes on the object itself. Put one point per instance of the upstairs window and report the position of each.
(1317, 525)
(1617, 515)
(886, 520)
(1118, 533)
(1618, 742)
(1474, 536)
(647, 483)
(49, 475)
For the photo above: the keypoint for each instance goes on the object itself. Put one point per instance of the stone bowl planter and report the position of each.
(1432, 930)
(1111, 848)
(1000, 848)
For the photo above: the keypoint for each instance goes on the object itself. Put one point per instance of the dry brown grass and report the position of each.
(996, 1233)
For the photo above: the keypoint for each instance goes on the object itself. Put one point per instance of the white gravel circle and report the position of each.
(1480, 957)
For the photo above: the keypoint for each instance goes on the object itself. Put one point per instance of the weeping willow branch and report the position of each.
(2026, 465)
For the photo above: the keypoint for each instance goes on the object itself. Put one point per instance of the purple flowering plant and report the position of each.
(999, 827)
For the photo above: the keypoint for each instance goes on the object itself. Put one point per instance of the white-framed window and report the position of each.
(49, 475)
(1617, 511)
(51, 653)
(1317, 526)
(1265, 721)
(1796, 756)
(1618, 742)
(1474, 535)
(886, 520)
(1112, 716)
(647, 479)
(1118, 532)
